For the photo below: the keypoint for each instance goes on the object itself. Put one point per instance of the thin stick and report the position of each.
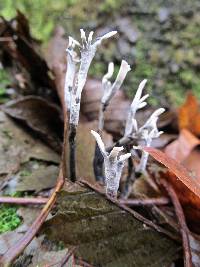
(181, 220)
(145, 202)
(64, 260)
(72, 152)
(24, 200)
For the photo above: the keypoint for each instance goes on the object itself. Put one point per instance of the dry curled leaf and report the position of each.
(40, 115)
(187, 186)
(183, 146)
(185, 150)
(179, 170)
(189, 115)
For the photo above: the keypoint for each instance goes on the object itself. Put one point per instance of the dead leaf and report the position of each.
(180, 171)
(104, 233)
(183, 146)
(18, 147)
(189, 115)
(185, 150)
(51, 258)
(22, 49)
(41, 116)
(28, 215)
(39, 179)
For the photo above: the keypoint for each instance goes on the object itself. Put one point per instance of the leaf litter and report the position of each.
(106, 240)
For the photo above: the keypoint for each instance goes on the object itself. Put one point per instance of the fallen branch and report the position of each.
(145, 202)
(181, 220)
(24, 200)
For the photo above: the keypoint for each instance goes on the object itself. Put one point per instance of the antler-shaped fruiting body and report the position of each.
(137, 103)
(77, 70)
(148, 131)
(110, 89)
(76, 78)
(113, 165)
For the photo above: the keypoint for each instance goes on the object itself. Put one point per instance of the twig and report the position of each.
(82, 263)
(23, 200)
(6, 39)
(145, 202)
(181, 220)
(67, 257)
(64, 260)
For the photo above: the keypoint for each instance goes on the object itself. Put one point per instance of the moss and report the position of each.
(4, 82)
(166, 53)
(9, 220)
(97, 70)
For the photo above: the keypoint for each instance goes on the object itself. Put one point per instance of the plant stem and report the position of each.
(72, 152)
(181, 220)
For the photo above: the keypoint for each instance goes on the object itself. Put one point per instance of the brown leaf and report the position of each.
(41, 116)
(105, 233)
(18, 147)
(56, 59)
(179, 170)
(182, 147)
(44, 177)
(189, 115)
(22, 49)
(184, 151)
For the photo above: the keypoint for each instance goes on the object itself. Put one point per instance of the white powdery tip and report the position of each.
(124, 157)
(90, 37)
(83, 34)
(108, 35)
(115, 151)
(99, 141)
(137, 147)
(158, 112)
(95, 134)
(118, 148)
(73, 42)
(142, 105)
(142, 84)
(109, 74)
(144, 98)
(125, 65)
(110, 68)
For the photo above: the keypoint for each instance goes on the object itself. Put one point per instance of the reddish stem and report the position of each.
(181, 220)
(23, 200)
(145, 202)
